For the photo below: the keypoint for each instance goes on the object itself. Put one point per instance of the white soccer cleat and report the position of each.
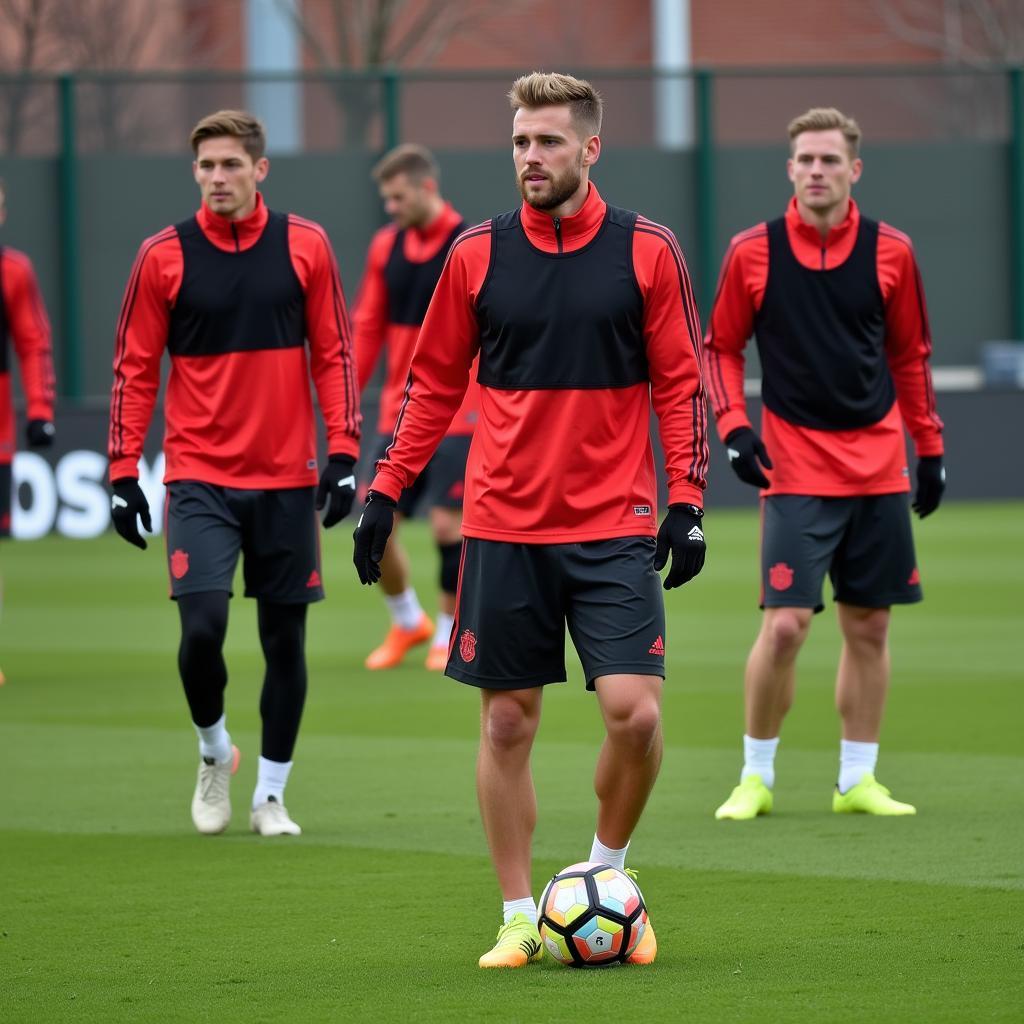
(271, 818)
(211, 802)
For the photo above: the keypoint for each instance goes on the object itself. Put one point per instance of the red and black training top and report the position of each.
(24, 323)
(234, 303)
(580, 323)
(402, 269)
(843, 336)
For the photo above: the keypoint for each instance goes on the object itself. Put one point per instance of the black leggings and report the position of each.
(282, 627)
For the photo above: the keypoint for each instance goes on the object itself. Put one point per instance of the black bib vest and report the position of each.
(237, 301)
(821, 337)
(562, 320)
(4, 354)
(411, 285)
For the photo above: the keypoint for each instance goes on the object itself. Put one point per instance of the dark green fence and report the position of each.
(94, 163)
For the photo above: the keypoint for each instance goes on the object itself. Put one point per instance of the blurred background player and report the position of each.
(402, 267)
(836, 303)
(23, 322)
(232, 294)
(583, 316)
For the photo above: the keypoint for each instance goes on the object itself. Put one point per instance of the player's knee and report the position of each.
(868, 628)
(507, 725)
(785, 630)
(636, 727)
(451, 555)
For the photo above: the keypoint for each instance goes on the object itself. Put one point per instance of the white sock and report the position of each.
(271, 778)
(405, 609)
(444, 629)
(214, 740)
(855, 761)
(759, 759)
(601, 854)
(524, 906)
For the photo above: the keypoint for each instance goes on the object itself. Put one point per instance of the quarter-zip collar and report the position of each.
(234, 235)
(564, 234)
(811, 249)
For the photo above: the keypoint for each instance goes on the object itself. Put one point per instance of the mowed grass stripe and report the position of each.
(418, 795)
(319, 934)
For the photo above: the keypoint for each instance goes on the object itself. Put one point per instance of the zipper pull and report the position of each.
(558, 231)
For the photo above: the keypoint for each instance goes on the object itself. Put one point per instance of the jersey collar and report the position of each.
(576, 230)
(440, 227)
(809, 233)
(234, 234)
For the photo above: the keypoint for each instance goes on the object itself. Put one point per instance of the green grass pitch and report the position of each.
(112, 909)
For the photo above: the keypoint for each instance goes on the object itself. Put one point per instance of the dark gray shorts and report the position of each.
(442, 482)
(515, 600)
(276, 530)
(865, 544)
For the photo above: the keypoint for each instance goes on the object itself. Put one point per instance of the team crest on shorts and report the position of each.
(179, 564)
(780, 576)
(467, 645)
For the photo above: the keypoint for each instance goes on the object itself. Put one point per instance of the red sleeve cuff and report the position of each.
(686, 493)
(730, 421)
(385, 483)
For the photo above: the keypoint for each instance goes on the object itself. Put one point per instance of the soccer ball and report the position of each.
(592, 915)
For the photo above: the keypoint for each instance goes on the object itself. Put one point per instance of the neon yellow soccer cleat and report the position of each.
(647, 948)
(749, 799)
(869, 796)
(518, 944)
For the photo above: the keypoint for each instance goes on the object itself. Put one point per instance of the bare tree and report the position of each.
(366, 35)
(24, 27)
(970, 34)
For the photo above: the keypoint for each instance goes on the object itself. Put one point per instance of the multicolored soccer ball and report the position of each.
(592, 915)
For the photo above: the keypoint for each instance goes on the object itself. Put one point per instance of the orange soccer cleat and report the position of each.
(398, 643)
(647, 948)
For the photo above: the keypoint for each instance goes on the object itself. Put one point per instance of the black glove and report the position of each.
(682, 534)
(40, 433)
(931, 482)
(126, 503)
(745, 448)
(337, 488)
(371, 535)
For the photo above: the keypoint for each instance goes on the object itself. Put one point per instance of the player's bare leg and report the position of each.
(626, 770)
(770, 677)
(410, 625)
(862, 682)
(508, 802)
(630, 755)
(769, 683)
(394, 566)
(446, 526)
(862, 685)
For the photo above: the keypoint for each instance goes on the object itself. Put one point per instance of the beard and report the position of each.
(560, 188)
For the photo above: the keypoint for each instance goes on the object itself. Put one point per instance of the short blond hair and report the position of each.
(417, 162)
(237, 124)
(555, 90)
(823, 119)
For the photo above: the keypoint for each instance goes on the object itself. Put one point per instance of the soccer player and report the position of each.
(402, 268)
(23, 321)
(581, 315)
(836, 304)
(233, 294)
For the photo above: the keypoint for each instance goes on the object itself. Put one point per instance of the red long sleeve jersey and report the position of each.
(240, 413)
(23, 322)
(551, 462)
(375, 326)
(869, 459)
